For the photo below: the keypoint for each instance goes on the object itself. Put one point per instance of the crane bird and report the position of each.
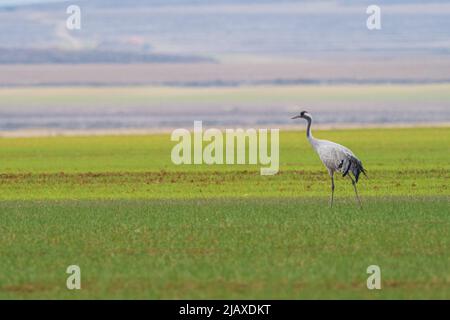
(335, 157)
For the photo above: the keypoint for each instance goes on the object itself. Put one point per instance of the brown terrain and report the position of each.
(413, 70)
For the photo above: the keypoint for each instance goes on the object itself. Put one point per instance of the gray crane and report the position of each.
(335, 157)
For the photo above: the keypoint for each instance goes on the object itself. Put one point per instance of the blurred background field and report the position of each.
(162, 64)
(55, 110)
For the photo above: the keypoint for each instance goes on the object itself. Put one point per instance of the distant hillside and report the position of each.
(36, 56)
(200, 30)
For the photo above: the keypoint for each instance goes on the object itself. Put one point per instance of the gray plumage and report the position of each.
(335, 157)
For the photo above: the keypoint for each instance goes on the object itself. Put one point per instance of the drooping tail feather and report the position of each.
(354, 165)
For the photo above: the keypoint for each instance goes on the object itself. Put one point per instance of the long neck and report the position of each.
(308, 129)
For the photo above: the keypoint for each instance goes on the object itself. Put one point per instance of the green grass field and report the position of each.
(141, 227)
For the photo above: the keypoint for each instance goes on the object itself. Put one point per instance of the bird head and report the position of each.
(303, 114)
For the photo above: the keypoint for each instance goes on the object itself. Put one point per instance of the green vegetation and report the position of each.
(288, 248)
(141, 227)
(157, 96)
(399, 162)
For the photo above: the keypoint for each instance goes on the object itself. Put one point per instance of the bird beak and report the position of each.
(296, 117)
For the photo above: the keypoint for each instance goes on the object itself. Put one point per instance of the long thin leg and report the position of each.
(356, 191)
(332, 190)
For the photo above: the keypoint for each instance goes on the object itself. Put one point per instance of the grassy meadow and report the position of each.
(142, 227)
